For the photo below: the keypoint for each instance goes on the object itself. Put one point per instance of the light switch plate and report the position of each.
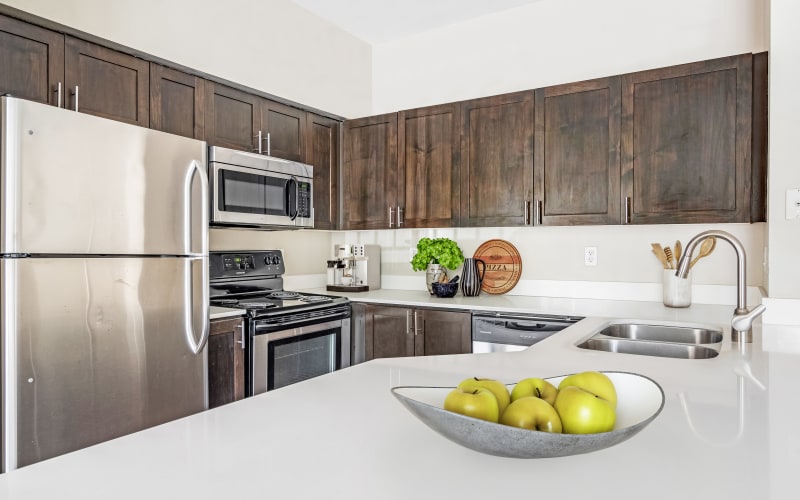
(792, 203)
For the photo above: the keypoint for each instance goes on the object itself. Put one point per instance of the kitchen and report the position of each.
(556, 254)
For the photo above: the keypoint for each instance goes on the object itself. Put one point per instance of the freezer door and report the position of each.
(73, 183)
(98, 348)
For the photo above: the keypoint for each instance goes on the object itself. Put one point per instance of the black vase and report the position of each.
(471, 277)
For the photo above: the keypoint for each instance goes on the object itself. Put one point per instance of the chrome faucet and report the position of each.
(742, 321)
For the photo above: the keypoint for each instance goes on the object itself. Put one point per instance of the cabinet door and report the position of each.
(177, 102)
(32, 59)
(225, 362)
(576, 155)
(388, 332)
(231, 117)
(445, 332)
(369, 175)
(497, 160)
(106, 83)
(322, 152)
(686, 135)
(283, 130)
(428, 181)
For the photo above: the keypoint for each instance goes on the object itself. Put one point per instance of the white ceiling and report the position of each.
(378, 21)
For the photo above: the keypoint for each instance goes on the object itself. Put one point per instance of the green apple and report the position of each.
(595, 382)
(499, 389)
(475, 402)
(535, 387)
(582, 412)
(532, 413)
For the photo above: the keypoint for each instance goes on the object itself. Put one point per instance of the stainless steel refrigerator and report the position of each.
(103, 279)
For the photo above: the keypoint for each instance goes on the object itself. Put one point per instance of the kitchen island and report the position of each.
(727, 430)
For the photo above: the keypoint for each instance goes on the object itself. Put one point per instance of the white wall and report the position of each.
(559, 41)
(784, 168)
(273, 46)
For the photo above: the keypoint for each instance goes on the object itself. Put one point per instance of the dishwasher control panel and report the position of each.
(493, 332)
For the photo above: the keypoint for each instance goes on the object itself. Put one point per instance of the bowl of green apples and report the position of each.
(538, 417)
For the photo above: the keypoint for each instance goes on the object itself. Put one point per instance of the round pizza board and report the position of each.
(503, 266)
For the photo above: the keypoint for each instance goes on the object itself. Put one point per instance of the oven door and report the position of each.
(282, 355)
(255, 197)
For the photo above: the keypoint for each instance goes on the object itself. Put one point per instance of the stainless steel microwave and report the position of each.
(254, 190)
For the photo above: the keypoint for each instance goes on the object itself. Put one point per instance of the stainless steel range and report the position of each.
(290, 336)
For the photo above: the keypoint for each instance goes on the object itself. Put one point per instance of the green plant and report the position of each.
(443, 251)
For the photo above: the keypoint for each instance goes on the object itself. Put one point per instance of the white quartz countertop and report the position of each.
(728, 429)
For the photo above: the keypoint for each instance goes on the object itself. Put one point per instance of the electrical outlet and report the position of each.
(590, 256)
(792, 203)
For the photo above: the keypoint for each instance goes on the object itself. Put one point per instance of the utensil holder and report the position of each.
(677, 292)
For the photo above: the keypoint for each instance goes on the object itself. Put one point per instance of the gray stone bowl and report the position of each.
(639, 401)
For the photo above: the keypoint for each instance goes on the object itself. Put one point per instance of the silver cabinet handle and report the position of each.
(75, 94)
(627, 210)
(408, 322)
(241, 329)
(527, 209)
(269, 145)
(400, 220)
(391, 216)
(416, 324)
(58, 94)
(257, 137)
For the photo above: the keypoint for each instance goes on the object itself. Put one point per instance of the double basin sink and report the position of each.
(666, 341)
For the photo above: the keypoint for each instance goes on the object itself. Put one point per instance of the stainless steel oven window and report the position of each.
(292, 355)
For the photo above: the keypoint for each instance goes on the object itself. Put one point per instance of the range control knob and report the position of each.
(276, 260)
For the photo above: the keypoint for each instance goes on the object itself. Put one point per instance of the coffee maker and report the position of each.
(354, 268)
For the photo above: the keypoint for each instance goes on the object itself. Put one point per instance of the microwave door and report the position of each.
(249, 196)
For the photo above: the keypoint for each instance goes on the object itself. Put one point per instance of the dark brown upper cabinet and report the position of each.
(322, 152)
(686, 142)
(231, 117)
(577, 153)
(177, 102)
(107, 83)
(429, 167)
(283, 130)
(369, 176)
(497, 160)
(239, 120)
(32, 62)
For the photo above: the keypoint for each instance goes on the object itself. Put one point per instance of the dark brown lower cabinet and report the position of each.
(225, 361)
(401, 331)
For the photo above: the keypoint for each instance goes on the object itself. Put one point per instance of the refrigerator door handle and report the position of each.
(195, 166)
(189, 305)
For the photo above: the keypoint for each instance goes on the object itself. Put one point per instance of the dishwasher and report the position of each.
(503, 332)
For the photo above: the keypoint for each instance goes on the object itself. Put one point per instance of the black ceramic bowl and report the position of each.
(444, 290)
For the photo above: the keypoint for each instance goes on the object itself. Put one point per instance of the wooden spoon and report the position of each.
(668, 253)
(705, 248)
(678, 250)
(659, 252)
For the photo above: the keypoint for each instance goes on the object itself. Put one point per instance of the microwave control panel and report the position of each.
(304, 199)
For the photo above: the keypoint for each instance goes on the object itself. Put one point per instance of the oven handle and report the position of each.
(263, 327)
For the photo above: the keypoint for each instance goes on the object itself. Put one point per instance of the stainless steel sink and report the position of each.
(646, 348)
(665, 341)
(663, 333)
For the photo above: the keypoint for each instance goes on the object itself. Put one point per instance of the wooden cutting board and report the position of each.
(503, 266)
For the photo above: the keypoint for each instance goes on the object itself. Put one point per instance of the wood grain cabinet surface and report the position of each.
(322, 152)
(428, 179)
(392, 331)
(32, 62)
(225, 361)
(369, 176)
(177, 102)
(497, 160)
(576, 155)
(686, 142)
